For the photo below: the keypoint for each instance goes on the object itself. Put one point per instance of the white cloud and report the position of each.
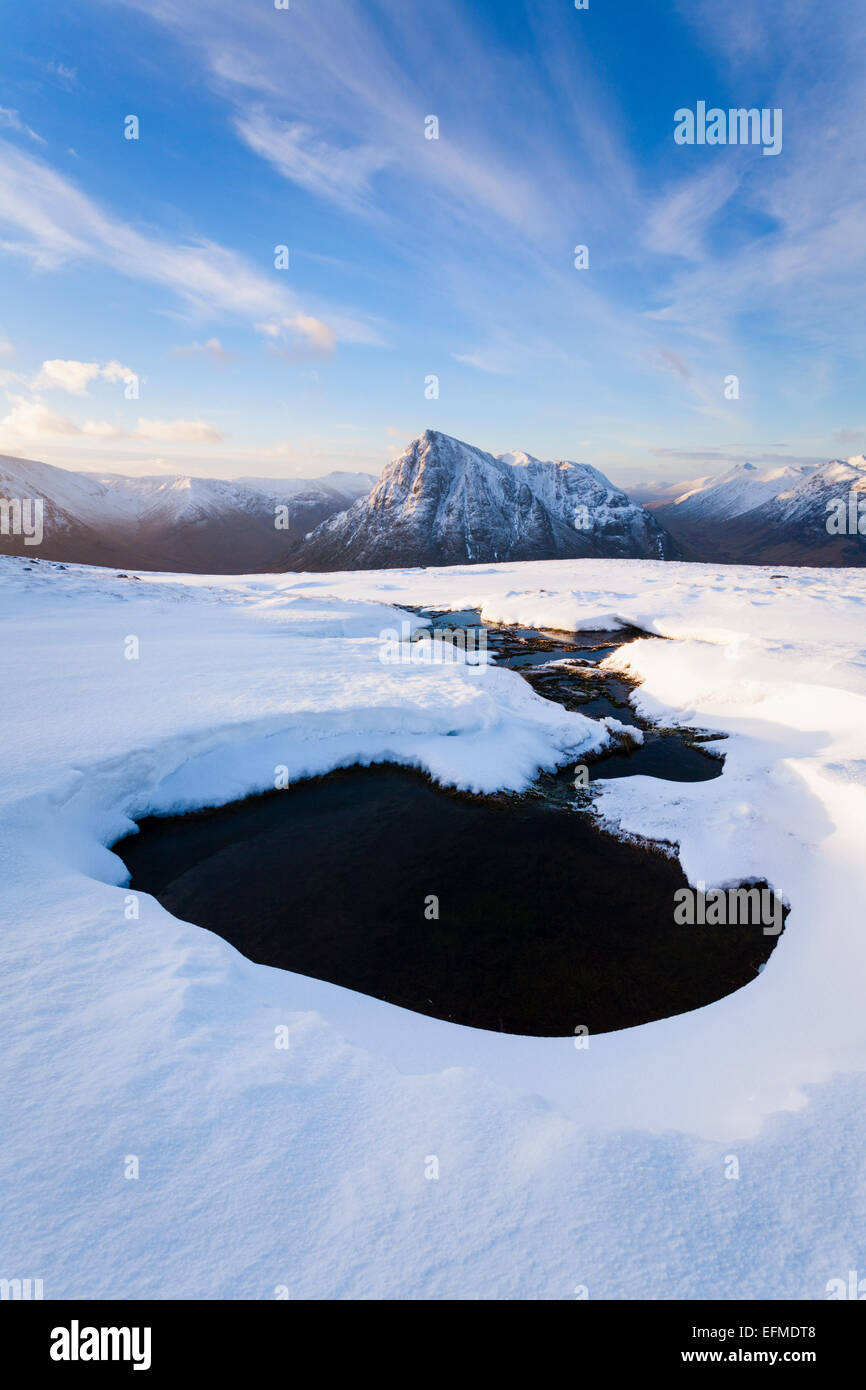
(67, 374)
(301, 334)
(70, 376)
(31, 419)
(115, 371)
(339, 174)
(212, 349)
(12, 120)
(68, 76)
(679, 220)
(55, 223)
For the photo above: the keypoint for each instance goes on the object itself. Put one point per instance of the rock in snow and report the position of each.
(443, 502)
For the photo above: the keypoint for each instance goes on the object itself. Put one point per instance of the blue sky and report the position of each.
(412, 257)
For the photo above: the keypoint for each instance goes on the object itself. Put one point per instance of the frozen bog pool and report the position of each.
(511, 913)
(544, 922)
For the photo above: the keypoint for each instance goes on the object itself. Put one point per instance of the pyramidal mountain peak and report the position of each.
(445, 502)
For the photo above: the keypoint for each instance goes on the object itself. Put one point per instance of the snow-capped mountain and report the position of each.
(443, 502)
(777, 515)
(737, 490)
(198, 525)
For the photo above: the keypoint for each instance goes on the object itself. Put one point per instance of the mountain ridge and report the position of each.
(778, 515)
(440, 502)
(176, 522)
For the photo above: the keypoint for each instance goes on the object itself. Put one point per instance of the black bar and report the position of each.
(237, 1337)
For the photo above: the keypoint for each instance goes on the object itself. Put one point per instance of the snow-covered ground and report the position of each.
(303, 1169)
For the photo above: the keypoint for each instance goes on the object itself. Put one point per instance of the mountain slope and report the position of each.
(197, 525)
(737, 490)
(775, 516)
(443, 502)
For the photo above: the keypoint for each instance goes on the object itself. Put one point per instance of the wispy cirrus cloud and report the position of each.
(293, 337)
(56, 222)
(805, 251)
(12, 120)
(62, 73)
(53, 222)
(679, 221)
(339, 173)
(503, 194)
(350, 87)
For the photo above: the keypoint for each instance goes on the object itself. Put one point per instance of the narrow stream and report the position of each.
(567, 671)
(508, 912)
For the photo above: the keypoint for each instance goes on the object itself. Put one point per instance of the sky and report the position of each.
(146, 327)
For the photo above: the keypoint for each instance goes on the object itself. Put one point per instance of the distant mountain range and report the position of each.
(443, 502)
(771, 516)
(184, 524)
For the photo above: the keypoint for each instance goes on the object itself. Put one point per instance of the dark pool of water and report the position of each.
(545, 924)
